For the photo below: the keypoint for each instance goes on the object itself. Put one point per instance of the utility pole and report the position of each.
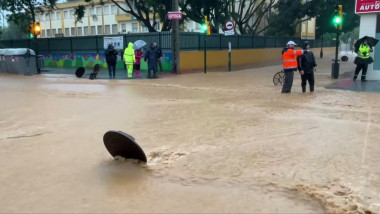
(175, 40)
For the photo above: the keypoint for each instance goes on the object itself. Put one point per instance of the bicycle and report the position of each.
(279, 78)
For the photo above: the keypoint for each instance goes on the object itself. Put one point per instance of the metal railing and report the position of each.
(188, 42)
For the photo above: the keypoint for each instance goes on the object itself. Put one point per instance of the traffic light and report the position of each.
(37, 28)
(338, 17)
(206, 28)
(30, 31)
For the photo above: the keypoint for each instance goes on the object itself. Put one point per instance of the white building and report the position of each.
(98, 20)
(370, 26)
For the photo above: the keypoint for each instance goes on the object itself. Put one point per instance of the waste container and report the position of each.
(19, 61)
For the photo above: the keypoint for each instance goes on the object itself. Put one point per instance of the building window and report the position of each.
(145, 29)
(107, 29)
(106, 10)
(71, 14)
(114, 28)
(113, 9)
(135, 27)
(59, 30)
(48, 33)
(54, 31)
(157, 27)
(58, 13)
(67, 31)
(123, 28)
(42, 17)
(93, 30)
(73, 31)
(66, 14)
(92, 11)
(43, 33)
(100, 30)
(47, 17)
(98, 11)
(53, 16)
(37, 18)
(85, 31)
(79, 31)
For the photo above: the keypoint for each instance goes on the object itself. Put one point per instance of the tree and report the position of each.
(249, 14)
(13, 32)
(217, 11)
(289, 13)
(24, 11)
(145, 11)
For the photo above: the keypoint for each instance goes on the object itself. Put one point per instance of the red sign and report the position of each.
(367, 6)
(174, 15)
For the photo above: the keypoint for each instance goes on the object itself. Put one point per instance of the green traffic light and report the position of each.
(31, 35)
(337, 20)
(204, 27)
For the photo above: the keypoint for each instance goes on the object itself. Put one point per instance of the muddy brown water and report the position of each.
(216, 143)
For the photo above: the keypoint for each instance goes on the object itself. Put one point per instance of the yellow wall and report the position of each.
(194, 60)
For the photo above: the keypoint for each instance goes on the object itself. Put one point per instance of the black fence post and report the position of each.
(48, 41)
(159, 39)
(71, 45)
(96, 42)
(199, 42)
(220, 41)
(238, 41)
(252, 40)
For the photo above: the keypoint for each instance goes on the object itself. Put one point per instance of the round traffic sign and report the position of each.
(229, 25)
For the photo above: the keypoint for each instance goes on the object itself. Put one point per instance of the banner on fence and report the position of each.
(116, 41)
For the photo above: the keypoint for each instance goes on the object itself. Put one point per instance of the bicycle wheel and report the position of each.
(278, 78)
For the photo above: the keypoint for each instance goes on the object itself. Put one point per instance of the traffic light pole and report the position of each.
(205, 54)
(335, 65)
(37, 53)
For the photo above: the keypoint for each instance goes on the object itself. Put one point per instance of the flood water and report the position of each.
(216, 143)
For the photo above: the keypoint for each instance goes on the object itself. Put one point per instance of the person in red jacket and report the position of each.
(289, 62)
(138, 54)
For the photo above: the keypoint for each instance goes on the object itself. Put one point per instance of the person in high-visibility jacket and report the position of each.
(289, 62)
(129, 58)
(362, 60)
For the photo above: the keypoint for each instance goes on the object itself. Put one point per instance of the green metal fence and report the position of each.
(188, 42)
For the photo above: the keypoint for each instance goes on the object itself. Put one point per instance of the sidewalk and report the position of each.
(345, 82)
(103, 74)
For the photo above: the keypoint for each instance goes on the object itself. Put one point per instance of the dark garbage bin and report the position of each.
(18, 61)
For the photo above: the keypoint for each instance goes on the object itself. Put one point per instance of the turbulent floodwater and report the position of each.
(216, 142)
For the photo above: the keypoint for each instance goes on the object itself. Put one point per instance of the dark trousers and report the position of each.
(309, 77)
(159, 64)
(111, 69)
(364, 72)
(288, 83)
(154, 73)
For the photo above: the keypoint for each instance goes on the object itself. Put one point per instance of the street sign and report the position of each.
(174, 15)
(229, 32)
(229, 25)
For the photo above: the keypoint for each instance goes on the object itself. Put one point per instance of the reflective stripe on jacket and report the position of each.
(129, 54)
(364, 51)
(289, 58)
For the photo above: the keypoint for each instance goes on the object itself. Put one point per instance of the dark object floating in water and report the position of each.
(344, 58)
(121, 144)
(79, 72)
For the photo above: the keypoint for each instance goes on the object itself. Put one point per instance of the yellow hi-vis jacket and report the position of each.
(129, 54)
